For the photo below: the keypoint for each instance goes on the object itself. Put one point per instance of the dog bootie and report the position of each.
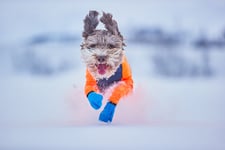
(108, 112)
(95, 100)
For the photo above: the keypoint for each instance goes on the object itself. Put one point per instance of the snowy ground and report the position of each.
(167, 114)
(114, 137)
(49, 110)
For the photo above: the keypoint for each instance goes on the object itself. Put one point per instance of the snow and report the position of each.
(47, 108)
(166, 114)
(114, 137)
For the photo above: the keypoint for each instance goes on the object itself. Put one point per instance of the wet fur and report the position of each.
(108, 43)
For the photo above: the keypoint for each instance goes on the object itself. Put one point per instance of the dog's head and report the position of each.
(101, 50)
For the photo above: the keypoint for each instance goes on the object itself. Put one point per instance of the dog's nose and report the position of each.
(101, 58)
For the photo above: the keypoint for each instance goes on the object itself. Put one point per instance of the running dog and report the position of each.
(107, 67)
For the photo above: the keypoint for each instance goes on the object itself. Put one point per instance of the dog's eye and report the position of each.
(111, 46)
(92, 46)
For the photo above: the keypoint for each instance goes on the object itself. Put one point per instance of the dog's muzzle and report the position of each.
(102, 66)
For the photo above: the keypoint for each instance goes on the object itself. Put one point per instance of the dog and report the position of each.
(107, 67)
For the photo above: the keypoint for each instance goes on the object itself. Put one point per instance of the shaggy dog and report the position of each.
(107, 67)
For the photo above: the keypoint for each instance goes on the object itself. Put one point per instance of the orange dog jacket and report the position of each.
(122, 79)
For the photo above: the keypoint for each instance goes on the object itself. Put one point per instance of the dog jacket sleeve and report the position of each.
(91, 84)
(126, 84)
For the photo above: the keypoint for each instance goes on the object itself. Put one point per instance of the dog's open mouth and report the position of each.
(102, 68)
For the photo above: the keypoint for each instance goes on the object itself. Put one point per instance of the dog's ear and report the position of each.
(90, 23)
(110, 24)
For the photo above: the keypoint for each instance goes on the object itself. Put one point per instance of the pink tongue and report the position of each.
(102, 68)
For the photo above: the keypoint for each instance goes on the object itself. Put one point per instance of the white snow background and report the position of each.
(179, 96)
